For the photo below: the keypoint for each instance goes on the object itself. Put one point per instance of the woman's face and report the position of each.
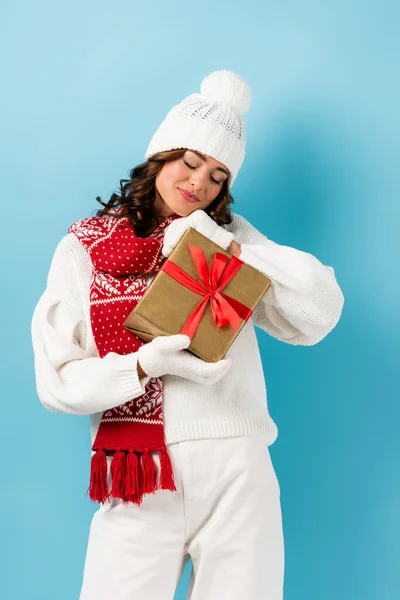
(193, 172)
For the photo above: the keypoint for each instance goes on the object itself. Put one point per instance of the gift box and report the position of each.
(202, 291)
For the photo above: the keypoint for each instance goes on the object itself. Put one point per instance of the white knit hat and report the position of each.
(209, 121)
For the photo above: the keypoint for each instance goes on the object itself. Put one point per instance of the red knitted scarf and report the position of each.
(132, 431)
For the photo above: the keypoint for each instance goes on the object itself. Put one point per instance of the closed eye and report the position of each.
(212, 178)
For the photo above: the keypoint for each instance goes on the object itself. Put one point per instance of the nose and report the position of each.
(198, 179)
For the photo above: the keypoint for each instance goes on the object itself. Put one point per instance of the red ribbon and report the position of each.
(225, 310)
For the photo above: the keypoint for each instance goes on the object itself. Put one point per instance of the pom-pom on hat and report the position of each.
(210, 121)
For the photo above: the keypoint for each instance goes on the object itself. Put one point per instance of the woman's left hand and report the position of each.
(201, 222)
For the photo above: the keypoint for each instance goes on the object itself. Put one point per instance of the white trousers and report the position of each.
(225, 515)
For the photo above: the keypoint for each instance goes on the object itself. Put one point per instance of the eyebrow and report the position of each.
(200, 155)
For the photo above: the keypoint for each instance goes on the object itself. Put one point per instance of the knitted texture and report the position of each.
(119, 258)
(301, 307)
(210, 121)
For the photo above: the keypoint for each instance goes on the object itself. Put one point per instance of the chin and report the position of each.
(179, 212)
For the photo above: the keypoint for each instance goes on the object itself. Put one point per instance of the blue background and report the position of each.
(84, 87)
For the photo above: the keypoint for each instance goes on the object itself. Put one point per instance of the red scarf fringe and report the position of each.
(132, 475)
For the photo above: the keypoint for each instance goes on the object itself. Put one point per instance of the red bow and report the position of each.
(225, 310)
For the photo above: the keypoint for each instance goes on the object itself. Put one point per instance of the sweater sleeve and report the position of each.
(304, 301)
(68, 380)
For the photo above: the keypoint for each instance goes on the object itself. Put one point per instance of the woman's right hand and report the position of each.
(165, 355)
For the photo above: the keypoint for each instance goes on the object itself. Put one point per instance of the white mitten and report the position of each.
(165, 355)
(201, 222)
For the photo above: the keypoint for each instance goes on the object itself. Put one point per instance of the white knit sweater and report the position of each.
(302, 305)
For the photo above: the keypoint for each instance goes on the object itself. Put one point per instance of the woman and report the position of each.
(180, 463)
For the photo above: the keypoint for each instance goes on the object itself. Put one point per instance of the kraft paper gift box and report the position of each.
(212, 320)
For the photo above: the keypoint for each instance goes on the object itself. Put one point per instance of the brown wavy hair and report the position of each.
(137, 195)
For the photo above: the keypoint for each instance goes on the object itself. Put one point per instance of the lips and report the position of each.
(188, 196)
